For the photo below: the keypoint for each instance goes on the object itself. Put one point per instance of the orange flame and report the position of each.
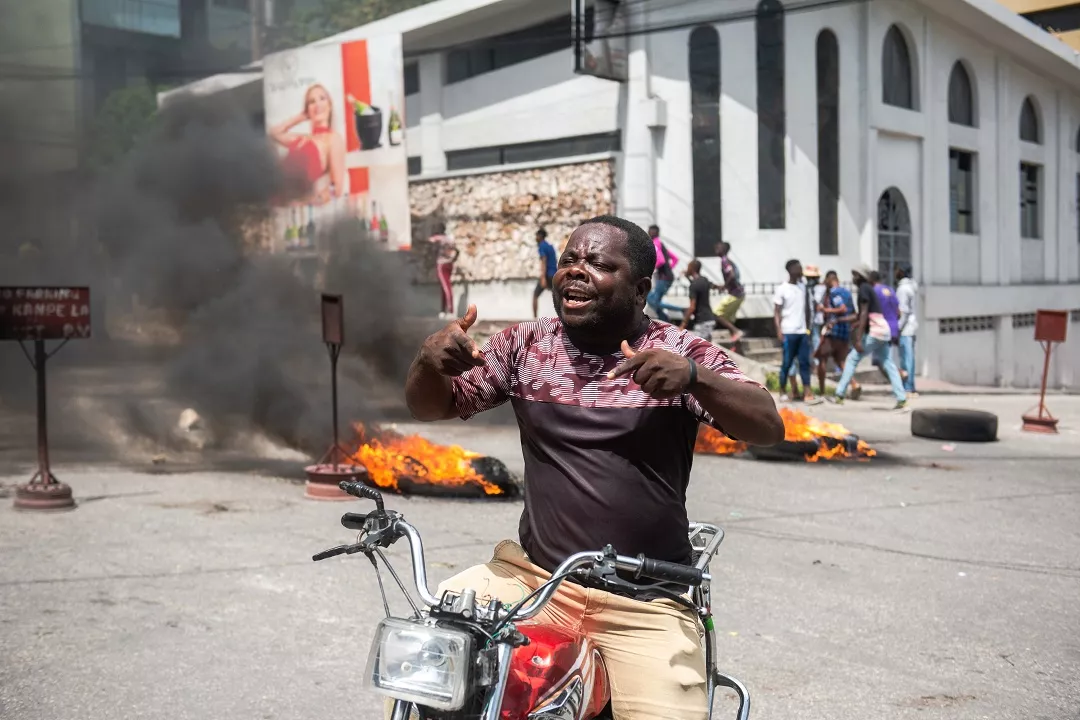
(798, 427)
(391, 457)
(713, 442)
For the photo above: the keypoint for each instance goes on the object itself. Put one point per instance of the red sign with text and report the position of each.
(44, 313)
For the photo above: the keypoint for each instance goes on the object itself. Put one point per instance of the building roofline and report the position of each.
(989, 18)
(1014, 34)
(403, 22)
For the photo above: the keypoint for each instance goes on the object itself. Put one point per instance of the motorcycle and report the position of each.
(458, 657)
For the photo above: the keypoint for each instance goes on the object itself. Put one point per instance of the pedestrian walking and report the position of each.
(871, 336)
(839, 312)
(698, 318)
(792, 314)
(734, 293)
(890, 310)
(663, 276)
(549, 263)
(446, 256)
(907, 294)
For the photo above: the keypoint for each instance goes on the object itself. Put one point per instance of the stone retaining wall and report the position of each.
(493, 217)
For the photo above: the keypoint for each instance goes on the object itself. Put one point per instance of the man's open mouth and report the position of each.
(574, 299)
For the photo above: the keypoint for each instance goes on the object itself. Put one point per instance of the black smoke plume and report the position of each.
(162, 240)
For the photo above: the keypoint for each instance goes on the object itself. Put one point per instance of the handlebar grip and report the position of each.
(353, 521)
(670, 572)
(360, 490)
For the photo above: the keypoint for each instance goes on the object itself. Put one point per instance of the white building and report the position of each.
(945, 133)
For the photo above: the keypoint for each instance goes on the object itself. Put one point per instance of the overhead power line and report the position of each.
(23, 72)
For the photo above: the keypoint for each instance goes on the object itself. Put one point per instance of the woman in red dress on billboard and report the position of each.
(319, 157)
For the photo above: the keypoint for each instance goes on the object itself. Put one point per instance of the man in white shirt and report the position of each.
(907, 294)
(793, 314)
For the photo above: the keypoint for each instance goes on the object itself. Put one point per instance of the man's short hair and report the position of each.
(694, 266)
(790, 264)
(874, 277)
(831, 273)
(724, 247)
(639, 246)
(541, 233)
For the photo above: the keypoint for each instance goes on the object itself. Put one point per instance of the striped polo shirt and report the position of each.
(604, 462)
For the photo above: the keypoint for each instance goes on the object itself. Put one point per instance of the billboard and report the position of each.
(336, 114)
(44, 313)
(600, 41)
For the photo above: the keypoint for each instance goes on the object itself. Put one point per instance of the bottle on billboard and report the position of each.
(310, 230)
(384, 229)
(374, 227)
(395, 128)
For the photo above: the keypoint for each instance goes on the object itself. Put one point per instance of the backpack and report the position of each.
(664, 272)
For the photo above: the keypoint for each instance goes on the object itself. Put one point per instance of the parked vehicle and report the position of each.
(459, 658)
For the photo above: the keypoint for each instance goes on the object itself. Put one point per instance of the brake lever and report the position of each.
(332, 552)
(340, 550)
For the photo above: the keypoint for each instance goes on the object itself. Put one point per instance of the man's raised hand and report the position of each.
(660, 373)
(451, 351)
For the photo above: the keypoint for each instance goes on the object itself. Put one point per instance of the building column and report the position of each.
(1003, 339)
(1007, 181)
(636, 172)
(432, 73)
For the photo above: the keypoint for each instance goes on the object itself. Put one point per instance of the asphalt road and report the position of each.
(933, 582)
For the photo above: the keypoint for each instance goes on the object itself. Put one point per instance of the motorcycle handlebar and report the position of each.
(669, 571)
(640, 566)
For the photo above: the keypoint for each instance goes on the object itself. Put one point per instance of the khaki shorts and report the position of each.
(652, 650)
(729, 307)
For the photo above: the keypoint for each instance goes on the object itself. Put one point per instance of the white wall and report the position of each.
(540, 99)
(761, 254)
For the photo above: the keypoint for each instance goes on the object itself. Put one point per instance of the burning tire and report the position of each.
(785, 451)
(955, 425)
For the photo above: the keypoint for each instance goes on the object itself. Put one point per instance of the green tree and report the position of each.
(126, 114)
(307, 25)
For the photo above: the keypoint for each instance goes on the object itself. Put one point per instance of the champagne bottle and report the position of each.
(358, 107)
(395, 126)
(311, 225)
(384, 229)
(374, 227)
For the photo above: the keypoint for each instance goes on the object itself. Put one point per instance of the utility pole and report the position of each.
(255, 9)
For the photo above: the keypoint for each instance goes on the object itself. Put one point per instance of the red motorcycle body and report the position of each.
(555, 665)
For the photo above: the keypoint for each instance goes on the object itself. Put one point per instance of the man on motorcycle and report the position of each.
(608, 403)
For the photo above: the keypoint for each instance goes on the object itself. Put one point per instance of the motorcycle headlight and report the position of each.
(420, 663)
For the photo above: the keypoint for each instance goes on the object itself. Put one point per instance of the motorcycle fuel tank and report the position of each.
(559, 675)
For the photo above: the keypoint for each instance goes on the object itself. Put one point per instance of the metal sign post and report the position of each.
(1050, 327)
(38, 314)
(335, 465)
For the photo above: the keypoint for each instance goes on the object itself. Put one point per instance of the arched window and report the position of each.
(828, 142)
(897, 74)
(1029, 122)
(961, 96)
(770, 112)
(705, 137)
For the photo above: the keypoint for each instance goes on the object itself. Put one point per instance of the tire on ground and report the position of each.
(785, 450)
(958, 425)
